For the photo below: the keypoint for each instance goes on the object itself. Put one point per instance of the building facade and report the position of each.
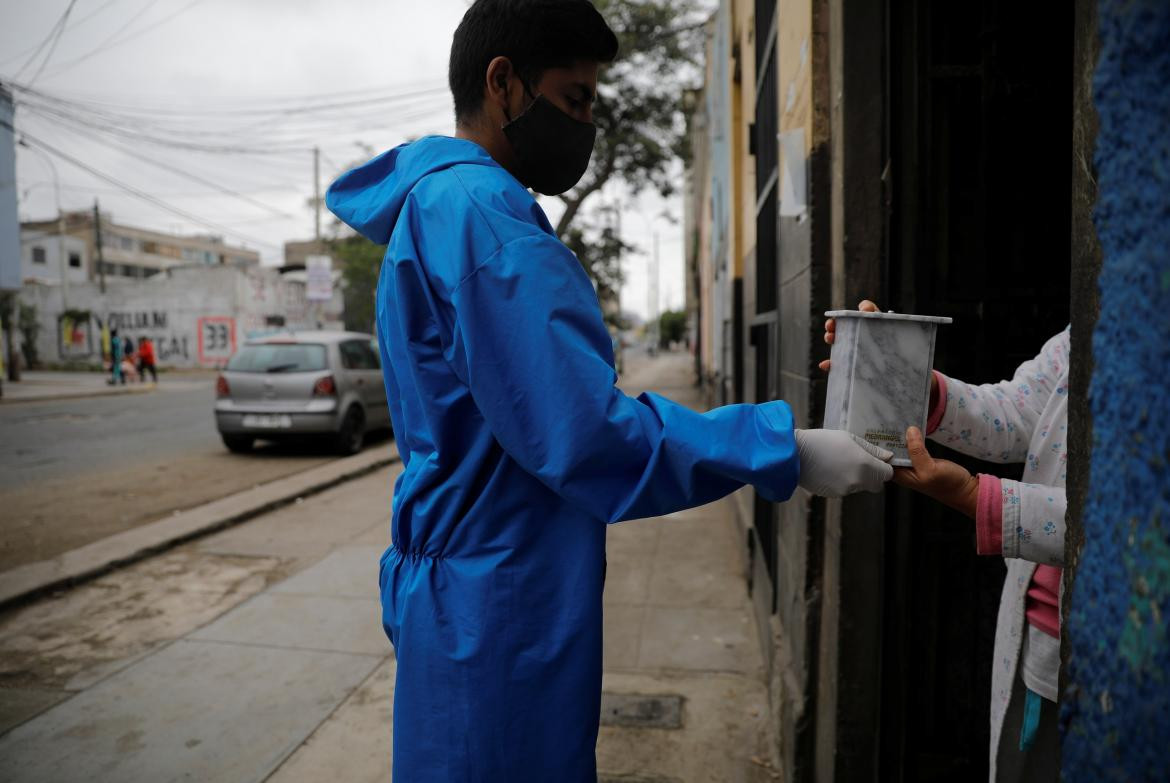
(68, 246)
(196, 317)
(846, 151)
(297, 251)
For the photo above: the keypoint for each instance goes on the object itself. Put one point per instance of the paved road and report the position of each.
(74, 471)
(58, 439)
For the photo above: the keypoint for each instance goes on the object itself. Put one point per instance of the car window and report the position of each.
(279, 357)
(375, 361)
(349, 358)
(356, 355)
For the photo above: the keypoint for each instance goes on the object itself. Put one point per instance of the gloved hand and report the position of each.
(834, 463)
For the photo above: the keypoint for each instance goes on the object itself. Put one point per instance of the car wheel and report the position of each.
(238, 444)
(351, 436)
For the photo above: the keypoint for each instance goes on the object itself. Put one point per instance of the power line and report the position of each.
(205, 103)
(76, 188)
(258, 175)
(141, 194)
(57, 39)
(77, 23)
(283, 130)
(225, 149)
(282, 120)
(110, 43)
(106, 127)
(220, 142)
(369, 102)
(287, 133)
(266, 114)
(195, 178)
(54, 34)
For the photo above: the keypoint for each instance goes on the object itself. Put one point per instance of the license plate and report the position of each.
(268, 421)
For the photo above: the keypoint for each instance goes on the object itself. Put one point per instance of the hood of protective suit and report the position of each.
(369, 197)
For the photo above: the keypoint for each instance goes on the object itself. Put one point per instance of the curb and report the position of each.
(78, 395)
(27, 582)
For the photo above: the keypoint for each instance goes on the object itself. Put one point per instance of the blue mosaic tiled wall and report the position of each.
(1117, 708)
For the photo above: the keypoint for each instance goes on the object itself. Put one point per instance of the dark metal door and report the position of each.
(979, 111)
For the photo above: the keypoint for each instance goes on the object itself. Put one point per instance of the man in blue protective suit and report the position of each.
(516, 445)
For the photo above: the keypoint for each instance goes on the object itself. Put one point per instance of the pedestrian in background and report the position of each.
(129, 361)
(517, 446)
(146, 359)
(116, 354)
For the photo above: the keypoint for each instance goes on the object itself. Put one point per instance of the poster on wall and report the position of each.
(793, 196)
(318, 278)
(75, 335)
(217, 338)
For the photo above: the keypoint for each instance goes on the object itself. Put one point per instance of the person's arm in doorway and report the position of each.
(1012, 518)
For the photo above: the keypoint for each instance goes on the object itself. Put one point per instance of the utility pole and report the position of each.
(653, 291)
(10, 275)
(319, 307)
(317, 193)
(62, 252)
(617, 213)
(97, 234)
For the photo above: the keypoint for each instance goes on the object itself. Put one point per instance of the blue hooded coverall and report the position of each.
(517, 450)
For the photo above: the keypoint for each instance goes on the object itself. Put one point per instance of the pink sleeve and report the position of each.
(989, 517)
(934, 418)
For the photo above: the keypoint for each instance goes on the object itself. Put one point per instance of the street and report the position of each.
(256, 653)
(78, 470)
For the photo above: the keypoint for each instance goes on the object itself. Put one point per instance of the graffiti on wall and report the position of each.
(170, 344)
(81, 336)
(76, 335)
(137, 320)
(217, 338)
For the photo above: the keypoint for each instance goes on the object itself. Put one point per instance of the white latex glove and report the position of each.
(834, 463)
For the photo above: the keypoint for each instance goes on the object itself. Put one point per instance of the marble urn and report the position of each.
(879, 381)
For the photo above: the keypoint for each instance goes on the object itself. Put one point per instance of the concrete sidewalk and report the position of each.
(40, 385)
(257, 653)
(27, 581)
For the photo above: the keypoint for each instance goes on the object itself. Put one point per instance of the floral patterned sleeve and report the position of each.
(995, 421)
(1033, 522)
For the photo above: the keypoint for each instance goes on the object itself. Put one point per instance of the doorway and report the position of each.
(978, 197)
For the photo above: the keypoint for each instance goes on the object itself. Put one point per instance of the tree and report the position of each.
(672, 327)
(641, 128)
(360, 261)
(30, 329)
(601, 256)
(638, 112)
(7, 319)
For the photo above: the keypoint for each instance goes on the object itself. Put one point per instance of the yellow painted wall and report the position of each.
(743, 114)
(794, 51)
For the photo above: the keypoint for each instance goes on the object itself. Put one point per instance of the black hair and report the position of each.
(534, 35)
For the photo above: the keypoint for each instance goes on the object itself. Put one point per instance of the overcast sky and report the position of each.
(230, 76)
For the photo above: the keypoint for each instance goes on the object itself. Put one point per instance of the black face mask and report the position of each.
(552, 148)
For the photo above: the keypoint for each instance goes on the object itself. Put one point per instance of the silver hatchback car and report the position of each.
(302, 383)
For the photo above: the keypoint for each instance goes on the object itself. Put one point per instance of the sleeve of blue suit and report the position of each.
(537, 357)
